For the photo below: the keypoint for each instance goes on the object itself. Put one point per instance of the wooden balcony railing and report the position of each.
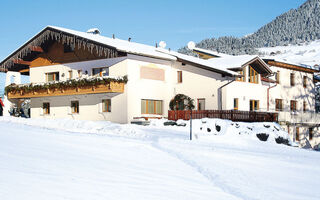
(233, 115)
(112, 87)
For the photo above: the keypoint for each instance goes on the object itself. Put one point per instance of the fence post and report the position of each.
(232, 115)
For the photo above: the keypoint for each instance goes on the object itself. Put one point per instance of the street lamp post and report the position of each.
(191, 125)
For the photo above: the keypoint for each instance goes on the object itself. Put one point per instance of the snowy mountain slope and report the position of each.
(306, 53)
(154, 162)
(293, 27)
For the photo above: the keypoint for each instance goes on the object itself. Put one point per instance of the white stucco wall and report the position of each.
(198, 83)
(89, 104)
(285, 91)
(139, 88)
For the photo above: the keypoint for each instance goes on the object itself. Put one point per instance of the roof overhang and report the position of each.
(275, 63)
(52, 33)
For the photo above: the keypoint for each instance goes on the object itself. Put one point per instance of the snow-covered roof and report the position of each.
(233, 62)
(199, 61)
(120, 45)
(210, 52)
(224, 64)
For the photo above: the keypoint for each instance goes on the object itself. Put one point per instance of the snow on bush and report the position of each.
(264, 131)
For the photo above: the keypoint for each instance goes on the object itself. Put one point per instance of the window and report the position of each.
(70, 74)
(46, 108)
(254, 105)
(179, 76)
(279, 106)
(304, 106)
(79, 73)
(151, 107)
(293, 105)
(297, 134)
(304, 81)
(310, 133)
(53, 76)
(278, 77)
(235, 103)
(106, 105)
(68, 48)
(201, 104)
(75, 106)
(292, 82)
(100, 72)
(253, 75)
(242, 79)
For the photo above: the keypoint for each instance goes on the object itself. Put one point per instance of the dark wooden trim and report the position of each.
(21, 62)
(25, 70)
(36, 49)
(290, 66)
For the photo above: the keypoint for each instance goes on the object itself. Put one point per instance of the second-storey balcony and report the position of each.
(91, 85)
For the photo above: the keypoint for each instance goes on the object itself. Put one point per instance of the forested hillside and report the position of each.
(293, 27)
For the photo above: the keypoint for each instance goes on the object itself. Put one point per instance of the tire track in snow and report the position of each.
(213, 178)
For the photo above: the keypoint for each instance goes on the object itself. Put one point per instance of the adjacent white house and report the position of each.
(288, 91)
(86, 76)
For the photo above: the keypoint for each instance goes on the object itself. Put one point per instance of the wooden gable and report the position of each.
(56, 54)
(48, 48)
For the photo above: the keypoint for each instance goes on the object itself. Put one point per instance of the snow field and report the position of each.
(53, 159)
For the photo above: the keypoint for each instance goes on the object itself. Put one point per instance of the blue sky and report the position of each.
(145, 21)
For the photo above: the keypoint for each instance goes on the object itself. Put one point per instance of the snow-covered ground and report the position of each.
(307, 53)
(66, 159)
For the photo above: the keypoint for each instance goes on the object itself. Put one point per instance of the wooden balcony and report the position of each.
(112, 87)
(233, 115)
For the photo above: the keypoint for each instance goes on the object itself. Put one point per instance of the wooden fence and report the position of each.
(234, 115)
